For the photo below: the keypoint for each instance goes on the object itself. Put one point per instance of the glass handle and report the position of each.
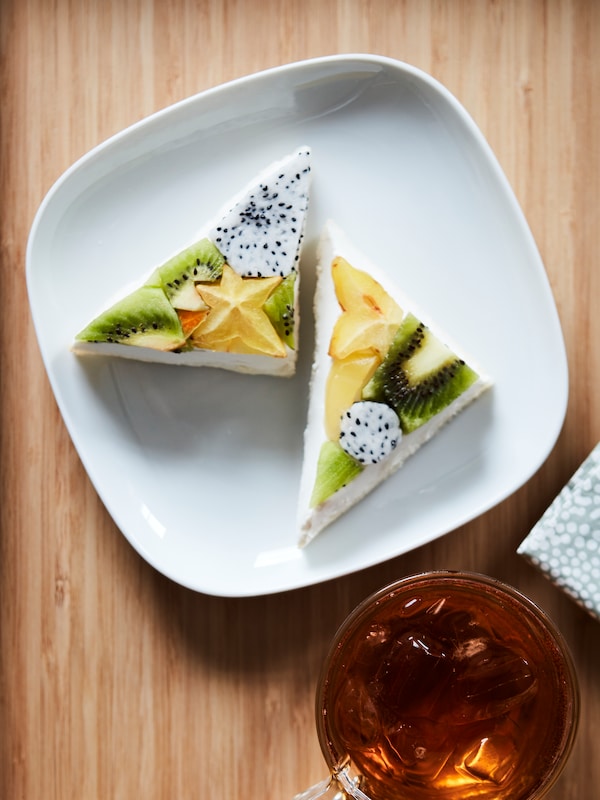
(326, 789)
(339, 786)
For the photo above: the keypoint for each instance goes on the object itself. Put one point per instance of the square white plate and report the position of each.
(199, 467)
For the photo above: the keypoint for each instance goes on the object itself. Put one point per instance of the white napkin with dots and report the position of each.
(565, 543)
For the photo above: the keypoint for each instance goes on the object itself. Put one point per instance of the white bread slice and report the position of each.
(311, 521)
(254, 236)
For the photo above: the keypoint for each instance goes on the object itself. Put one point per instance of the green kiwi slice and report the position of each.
(335, 469)
(419, 377)
(280, 309)
(201, 262)
(144, 318)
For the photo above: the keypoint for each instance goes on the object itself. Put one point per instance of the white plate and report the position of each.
(200, 468)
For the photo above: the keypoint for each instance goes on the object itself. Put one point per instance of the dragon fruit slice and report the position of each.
(260, 235)
(369, 431)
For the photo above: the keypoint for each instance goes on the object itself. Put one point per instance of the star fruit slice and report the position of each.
(236, 321)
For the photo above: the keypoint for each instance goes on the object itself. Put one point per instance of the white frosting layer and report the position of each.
(234, 362)
(312, 521)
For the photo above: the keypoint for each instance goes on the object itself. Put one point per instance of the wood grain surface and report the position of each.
(116, 683)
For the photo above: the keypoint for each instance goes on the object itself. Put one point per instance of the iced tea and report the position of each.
(448, 686)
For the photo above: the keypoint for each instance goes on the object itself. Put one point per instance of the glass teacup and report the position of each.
(445, 685)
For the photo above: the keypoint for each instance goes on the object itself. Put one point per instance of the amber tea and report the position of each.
(450, 686)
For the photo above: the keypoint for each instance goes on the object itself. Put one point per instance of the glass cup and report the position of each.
(445, 685)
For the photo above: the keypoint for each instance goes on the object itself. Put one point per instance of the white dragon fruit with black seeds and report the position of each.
(261, 235)
(369, 431)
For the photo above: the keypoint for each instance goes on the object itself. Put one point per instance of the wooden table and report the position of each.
(114, 681)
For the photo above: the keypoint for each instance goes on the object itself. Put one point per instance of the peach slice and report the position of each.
(190, 320)
(344, 386)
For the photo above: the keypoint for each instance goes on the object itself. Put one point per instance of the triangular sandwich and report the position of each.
(383, 383)
(228, 299)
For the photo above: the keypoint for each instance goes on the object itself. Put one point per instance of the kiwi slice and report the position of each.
(144, 318)
(201, 262)
(279, 308)
(419, 377)
(335, 469)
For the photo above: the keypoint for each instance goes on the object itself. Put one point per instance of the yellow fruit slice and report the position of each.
(344, 386)
(236, 321)
(354, 287)
(370, 317)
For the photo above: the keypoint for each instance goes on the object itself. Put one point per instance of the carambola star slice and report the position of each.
(236, 321)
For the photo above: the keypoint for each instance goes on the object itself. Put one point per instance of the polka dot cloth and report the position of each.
(565, 543)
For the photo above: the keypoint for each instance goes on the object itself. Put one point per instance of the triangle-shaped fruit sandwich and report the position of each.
(229, 299)
(383, 383)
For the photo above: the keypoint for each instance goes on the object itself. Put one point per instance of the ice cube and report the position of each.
(357, 716)
(491, 680)
(460, 626)
(491, 759)
(374, 647)
(422, 747)
(415, 671)
(413, 606)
